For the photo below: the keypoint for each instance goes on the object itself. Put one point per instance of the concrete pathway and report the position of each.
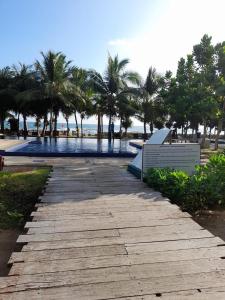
(6, 144)
(98, 233)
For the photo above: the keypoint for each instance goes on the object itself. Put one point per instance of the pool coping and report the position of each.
(67, 154)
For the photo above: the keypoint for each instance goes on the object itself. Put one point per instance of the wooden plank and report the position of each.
(67, 253)
(173, 245)
(34, 246)
(199, 255)
(128, 210)
(117, 202)
(112, 223)
(183, 295)
(108, 223)
(54, 277)
(111, 289)
(68, 236)
(113, 200)
(147, 215)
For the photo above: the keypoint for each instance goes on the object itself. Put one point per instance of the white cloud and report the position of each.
(177, 29)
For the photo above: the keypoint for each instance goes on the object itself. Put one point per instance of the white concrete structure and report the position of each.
(157, 138)
(156, 154)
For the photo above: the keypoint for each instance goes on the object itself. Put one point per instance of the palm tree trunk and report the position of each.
(67, 126)
(2, 124)
(51, 121)
(151, 127)
(81, 127)
(145, 131)
(18, 125)
(102, 129)
(121, 127)
(77, 128)
(24, 125)
(37, 125)
(99, 126)
(44, 125)
(109, 128)
(55, 123)
(144, 128)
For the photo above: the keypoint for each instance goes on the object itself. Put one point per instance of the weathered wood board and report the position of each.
(98, 233)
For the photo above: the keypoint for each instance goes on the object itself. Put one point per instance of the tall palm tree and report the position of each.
(6, 95)
(78, 93)
(54, 72)
(148, 105)
(26, 86)
(114, 81)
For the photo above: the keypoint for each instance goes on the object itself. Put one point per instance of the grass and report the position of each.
(19, 192)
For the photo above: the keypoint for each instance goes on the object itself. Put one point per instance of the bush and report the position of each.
(204, 189)
(18, 193)
(171, 183)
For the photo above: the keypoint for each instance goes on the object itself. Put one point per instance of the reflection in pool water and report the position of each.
(75, 145)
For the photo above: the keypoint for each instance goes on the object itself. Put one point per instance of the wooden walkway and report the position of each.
(99, 233)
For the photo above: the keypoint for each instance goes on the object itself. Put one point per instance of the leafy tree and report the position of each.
(203, 54)
(220, 88)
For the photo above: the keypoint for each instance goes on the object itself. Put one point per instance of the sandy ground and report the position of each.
(214, 221)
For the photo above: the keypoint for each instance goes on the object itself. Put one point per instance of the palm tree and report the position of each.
(114, 81)
(148, 107)
(27, 87)
(78, 93)
(6, 95)
(54, 72)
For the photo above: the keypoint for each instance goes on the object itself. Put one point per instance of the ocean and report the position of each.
(87, 128)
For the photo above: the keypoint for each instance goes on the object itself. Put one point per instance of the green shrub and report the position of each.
(18, 194)
(204, 189)
(170, 182)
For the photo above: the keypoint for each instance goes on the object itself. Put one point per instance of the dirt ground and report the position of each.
(214, 221)
(7, 245)
(19, 168)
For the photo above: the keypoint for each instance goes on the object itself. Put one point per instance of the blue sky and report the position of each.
(148, 32)
(81, 29)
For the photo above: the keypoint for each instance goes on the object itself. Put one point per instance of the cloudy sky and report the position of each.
(148, 32)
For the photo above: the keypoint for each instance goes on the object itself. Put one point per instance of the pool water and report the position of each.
(74, 146)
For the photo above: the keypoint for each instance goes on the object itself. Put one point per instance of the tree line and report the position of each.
(194, 96)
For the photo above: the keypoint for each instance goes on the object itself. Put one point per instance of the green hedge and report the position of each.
(204, 189)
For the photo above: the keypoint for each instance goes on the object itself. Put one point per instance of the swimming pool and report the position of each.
(73, 147)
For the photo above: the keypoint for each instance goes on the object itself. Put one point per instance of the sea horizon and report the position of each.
(88, 128)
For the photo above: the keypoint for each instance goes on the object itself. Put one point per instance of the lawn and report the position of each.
(19, 192)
